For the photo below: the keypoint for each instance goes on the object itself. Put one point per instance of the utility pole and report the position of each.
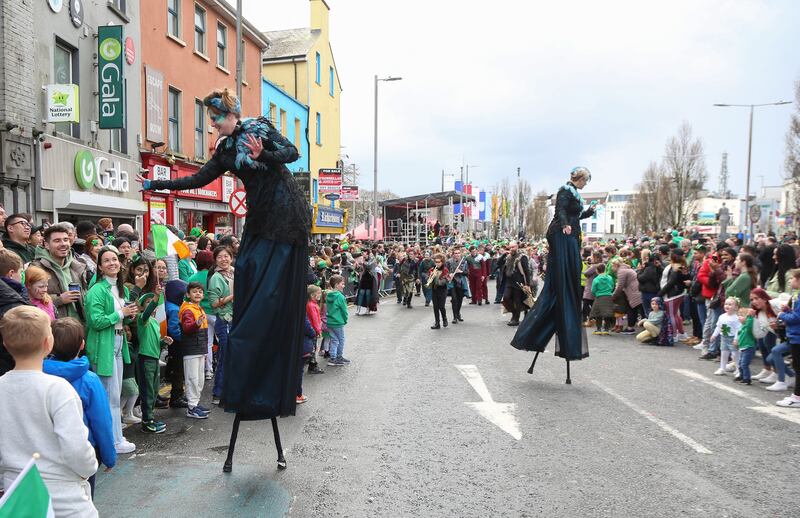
(520, 213)
(239, 50)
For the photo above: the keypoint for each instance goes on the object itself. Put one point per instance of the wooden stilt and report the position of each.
(569, 380)
(228, 466)
(276, 433)
(530, 370)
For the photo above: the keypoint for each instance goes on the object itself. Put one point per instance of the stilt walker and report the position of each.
(265, 341)
(558, 307)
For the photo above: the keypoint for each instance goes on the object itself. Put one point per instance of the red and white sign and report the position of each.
(330, 181)
(349, 193)
(210, 192)
(238, 203)
(130, 51)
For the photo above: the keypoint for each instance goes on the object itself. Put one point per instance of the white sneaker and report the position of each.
(137, 411)
(698, 347)
(209, 375)
(778, 386)
(681, 337)
(730, 367)
(789, 402)
(737, 374)
(719, 372)
(772, 378)
(790, 380)
(131, 419)
(763, 374)
(125, 447)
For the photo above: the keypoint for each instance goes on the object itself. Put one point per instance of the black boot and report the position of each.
(436, 326)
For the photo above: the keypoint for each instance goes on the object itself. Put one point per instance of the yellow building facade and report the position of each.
(301, 62)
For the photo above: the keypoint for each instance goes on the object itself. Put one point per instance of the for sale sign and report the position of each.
(349, 193)
(111, 87)
(330, 181)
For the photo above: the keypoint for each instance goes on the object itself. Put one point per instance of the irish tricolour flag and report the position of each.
(166, 243)
(27, 496)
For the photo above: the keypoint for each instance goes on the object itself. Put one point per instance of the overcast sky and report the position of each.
(546, 85)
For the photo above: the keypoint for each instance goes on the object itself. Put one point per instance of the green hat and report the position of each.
(196, 232)
(322, 264)
(345, 246)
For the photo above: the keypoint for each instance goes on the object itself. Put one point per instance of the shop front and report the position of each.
(328, 221)
(83, 183)
(205, 207)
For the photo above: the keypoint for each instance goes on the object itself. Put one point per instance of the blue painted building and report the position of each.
(290, 116)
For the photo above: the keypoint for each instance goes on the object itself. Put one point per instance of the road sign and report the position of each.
(237, 203)
(755, 214)
(332, 196)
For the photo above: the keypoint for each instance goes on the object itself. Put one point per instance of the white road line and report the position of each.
(765, 407)
(696, 446)
(499, 414)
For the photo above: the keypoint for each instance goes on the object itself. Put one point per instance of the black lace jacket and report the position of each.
(569, 211)
(276, 207)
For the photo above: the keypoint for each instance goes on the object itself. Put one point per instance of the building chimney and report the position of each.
(319, 15)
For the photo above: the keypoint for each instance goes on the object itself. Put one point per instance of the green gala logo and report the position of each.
(84, 169)
(110, 49)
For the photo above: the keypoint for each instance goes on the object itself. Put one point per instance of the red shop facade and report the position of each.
(205, 207)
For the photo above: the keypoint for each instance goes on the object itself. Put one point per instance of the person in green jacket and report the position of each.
(603, 307)
(148, 370)
(106, 345)
(188, 267)
(337, 319)
(741, 285)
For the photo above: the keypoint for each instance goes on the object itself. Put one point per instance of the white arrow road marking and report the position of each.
(499, 414)
(696, 446)
(786, 414)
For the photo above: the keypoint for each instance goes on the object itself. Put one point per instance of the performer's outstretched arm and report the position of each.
(210, 171)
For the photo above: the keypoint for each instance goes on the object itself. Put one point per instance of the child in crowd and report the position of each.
(791, 317)
(174, 294)
(727, 329)
(43, 414)
(337, 319)
(603, 307)
(746, 343)
(148, 369)
(325, 345)
(315, 319)
(652, 324)
(36, 280)
(11, 271)
(65, 362)
(194, 345)
(438, 277)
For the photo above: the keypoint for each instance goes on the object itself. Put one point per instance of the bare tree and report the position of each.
(684, 166)
(521, 199)
(792, 161)
(537, 216)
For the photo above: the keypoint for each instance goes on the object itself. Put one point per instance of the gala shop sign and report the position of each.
(111, 98)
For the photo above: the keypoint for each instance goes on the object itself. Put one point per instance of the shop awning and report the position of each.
(92, 203)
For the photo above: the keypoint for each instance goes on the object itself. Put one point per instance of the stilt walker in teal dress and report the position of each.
(558, 308)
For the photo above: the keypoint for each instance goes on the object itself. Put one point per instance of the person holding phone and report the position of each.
(107, 308)
(66, 275)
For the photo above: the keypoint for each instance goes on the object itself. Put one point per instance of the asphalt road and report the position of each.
(642, 431)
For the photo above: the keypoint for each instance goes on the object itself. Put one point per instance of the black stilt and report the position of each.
(569, 381)
(276, 433)
(530, 370)
(234, 433)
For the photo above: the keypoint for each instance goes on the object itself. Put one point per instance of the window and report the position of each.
(297, 134)
(583, 227)
(222, 45)
(319, 68)
(199, 29)
(119, 5)
(199, 130)
(611, 230)
(174, 129)
(174, 18)
(594, 227)
(332, 78)
(315, 190)
(244, 61)
(282, 125)
(319, 129)
(612, 214)
(272, 114)
(65, 72)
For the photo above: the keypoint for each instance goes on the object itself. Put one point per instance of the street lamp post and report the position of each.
(375, 185)
(749, 156)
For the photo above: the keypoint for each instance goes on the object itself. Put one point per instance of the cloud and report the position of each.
(546, 86)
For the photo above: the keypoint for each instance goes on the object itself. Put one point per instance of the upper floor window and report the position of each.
(119, 5)
(222, 45)
(65, 72)
(199, 129)
(319, 129)
(319, 69)
(332, 77)
(199, 29)
(174, 118)
(174, 18)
